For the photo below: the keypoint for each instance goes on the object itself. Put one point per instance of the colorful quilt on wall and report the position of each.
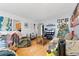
(1, 20)
(5, 24)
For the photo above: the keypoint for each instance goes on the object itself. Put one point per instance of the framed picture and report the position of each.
(66, 19)
(62, 20)
(58, 20)
(26, 25)
(58, 26)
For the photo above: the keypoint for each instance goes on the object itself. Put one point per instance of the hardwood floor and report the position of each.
(34, 50)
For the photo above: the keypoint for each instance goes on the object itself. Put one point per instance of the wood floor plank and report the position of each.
(34, 50)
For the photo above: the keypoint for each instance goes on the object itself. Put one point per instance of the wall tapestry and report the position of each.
(63, 27)
(5, 24)
(18, 25)
(1, 20)
(60, 21)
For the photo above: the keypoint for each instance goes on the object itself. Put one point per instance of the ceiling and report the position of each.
(38, 11)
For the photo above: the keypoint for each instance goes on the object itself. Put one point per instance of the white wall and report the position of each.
(22, 20)
(54, 21)
(31, 23)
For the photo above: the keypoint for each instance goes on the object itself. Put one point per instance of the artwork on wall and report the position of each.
(63, 28)
(5, 24)
(60, 21)
(26, 25)
(66, 19)
(9, 25)
(18, 26)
